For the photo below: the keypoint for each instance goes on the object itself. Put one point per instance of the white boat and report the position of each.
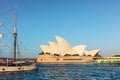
(17, 68)
(15, 65)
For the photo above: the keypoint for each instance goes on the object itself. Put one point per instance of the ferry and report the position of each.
(108, 61)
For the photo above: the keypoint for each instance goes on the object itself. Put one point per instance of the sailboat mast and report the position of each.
(15, 35)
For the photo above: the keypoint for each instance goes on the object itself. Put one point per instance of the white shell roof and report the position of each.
(53, 47)
(45, 48)
(80, 49)
(92, 52)
(62, 47)
(87, 52)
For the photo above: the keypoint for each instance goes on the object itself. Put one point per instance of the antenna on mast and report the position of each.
(15, 22)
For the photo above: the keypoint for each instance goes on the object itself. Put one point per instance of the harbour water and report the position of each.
(66, 72)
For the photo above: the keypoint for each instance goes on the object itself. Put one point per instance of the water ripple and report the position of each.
(66, 72)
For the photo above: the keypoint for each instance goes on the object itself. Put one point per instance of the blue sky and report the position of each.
(94, 23)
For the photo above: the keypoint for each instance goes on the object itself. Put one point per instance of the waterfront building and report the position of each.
(63, 52)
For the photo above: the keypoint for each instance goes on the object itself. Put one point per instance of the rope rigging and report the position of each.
(6, 24)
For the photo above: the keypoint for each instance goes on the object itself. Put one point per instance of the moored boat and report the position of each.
(15, 64)
(16, 68)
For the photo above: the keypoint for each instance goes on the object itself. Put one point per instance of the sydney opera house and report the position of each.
(63, 52)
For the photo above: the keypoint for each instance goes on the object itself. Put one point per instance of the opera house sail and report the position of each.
(62, 52)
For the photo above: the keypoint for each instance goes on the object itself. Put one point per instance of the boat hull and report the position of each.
(17, 68)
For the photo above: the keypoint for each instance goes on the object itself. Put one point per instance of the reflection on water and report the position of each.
(66, 72)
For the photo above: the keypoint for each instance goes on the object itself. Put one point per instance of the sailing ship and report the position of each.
(15, 64)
